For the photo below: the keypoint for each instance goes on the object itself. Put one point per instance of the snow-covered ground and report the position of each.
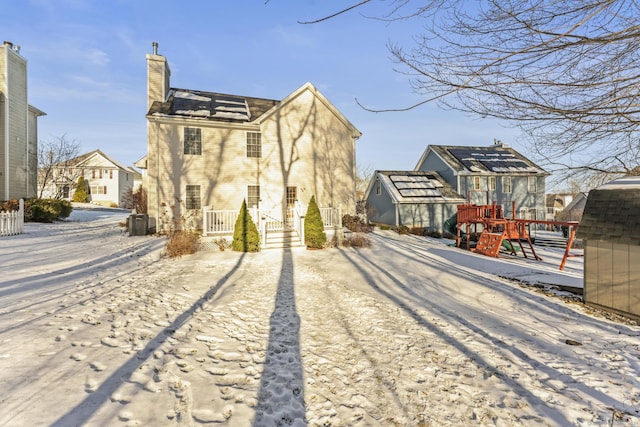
(97, 328)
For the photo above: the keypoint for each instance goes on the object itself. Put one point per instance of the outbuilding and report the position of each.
(610, 228)
(411, 198)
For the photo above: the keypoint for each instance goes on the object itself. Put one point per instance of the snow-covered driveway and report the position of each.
(97, 329)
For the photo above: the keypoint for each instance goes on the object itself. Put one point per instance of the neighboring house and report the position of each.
(215, 150)
(18, 128)
(411, 198)
(106, 179)
(556, 203)
(484, 175)
(610, 228)
(574, 210)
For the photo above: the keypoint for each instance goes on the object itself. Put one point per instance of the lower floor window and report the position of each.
(98, 189)
(193, 197)
(253, 195)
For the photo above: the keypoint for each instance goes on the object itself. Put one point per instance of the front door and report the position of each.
(292, 196)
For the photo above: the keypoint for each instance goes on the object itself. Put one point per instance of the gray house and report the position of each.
(484, 175)
(610, 228)
(411, 198)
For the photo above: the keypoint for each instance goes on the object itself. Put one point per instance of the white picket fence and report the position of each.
(12, 223)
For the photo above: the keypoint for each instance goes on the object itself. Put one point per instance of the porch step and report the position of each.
(282, 239)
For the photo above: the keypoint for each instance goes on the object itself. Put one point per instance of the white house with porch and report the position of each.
(207, 151)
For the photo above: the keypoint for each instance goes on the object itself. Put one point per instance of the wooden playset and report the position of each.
(498, 231)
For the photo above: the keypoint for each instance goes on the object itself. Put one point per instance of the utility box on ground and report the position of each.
(138, 224)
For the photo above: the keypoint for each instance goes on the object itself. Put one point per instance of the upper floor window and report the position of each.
(110, 173)
(476, 182)
(492, 183)
(378, 187)
(533, 184)
(193, 197)
(254, 144)
(192, 141)
(506, 184)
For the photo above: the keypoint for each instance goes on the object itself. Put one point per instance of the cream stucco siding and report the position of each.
(307, 148)
(304, 145)
(13, 86)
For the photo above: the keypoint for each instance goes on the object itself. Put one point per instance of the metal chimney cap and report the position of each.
(155, 47)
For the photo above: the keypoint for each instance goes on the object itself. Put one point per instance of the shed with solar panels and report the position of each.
(411, 198)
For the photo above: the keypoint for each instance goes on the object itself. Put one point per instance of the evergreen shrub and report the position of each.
(314, 235)
(46, 210)
(245, 234)
(80, 194)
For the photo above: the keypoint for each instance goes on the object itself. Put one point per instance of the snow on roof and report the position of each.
(626, 182)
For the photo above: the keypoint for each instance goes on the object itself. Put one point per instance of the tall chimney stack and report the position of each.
(158, 77)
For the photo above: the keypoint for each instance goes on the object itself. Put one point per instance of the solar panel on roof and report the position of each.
(416, 185)
(491, 160)
(400, 185)
(210, 105)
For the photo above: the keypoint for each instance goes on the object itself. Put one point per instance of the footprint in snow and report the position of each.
(97, 366)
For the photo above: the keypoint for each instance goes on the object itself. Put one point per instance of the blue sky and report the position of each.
(87, 69)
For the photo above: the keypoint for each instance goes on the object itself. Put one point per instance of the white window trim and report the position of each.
(506, 179)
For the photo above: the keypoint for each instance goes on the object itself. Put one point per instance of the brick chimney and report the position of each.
(158, 77)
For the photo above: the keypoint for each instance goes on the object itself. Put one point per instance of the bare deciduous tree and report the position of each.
(566, 72)
(56, 167)
(363, 176)
(135, 199)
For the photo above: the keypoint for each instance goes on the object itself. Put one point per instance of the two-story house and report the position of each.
(496, 173)
(208, 149)
(106, 180)
(18, 128)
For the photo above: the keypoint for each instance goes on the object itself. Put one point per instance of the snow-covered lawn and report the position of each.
(97, 328)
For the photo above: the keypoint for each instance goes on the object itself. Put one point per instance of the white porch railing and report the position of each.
(331, 217)
(222, 222)
(12, 223)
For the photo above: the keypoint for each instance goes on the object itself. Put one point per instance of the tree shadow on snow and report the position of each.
(367, 270)
(83, 411)
(281, 394)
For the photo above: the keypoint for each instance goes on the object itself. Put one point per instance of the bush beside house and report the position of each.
(80, 194)
(46, 210)
(314, 235)
(245, 234)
